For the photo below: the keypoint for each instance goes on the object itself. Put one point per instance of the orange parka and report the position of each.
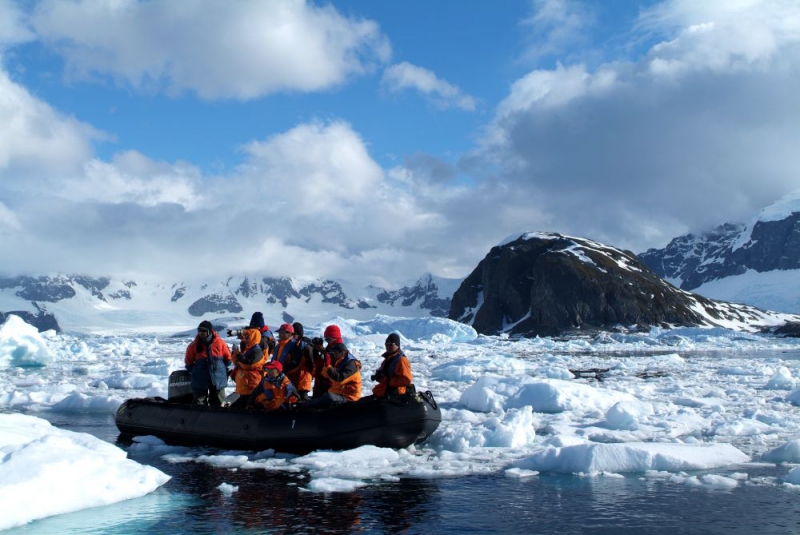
(394, 373)
(270, 394)
(297, 360)
(248, 366)
(345, 377)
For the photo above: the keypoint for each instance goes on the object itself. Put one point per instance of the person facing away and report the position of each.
(208, 359)
(345, 378)
(394, 374)
(248, 365)
(267, 338)
(274, 389)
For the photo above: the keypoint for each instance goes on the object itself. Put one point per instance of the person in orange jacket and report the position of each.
(345, 378)
(301, 362)
(274, 390)
(208, 359)
(394, 374)
(248, 365)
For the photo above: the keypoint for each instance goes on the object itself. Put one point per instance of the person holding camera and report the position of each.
(294, 354)
(248, 364)
(208, 359)
(394, 374)
(344, 376)
(321, 359)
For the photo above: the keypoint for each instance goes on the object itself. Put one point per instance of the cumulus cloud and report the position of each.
(404, 76)
(697, 132)
(218, 50)
(35, 138)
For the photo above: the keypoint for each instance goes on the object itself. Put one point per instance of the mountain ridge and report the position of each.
(81, 302)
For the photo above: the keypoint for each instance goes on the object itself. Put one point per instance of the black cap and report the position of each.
(298, 328)
(393, 338)
(205, 326)
(257, 320)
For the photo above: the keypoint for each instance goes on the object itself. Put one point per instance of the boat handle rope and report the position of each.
(429, 398)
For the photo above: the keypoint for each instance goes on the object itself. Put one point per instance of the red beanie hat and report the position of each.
(332, 331)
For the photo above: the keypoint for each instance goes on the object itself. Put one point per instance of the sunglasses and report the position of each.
(202, 331)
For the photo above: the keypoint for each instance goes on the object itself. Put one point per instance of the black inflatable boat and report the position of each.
(390, 423)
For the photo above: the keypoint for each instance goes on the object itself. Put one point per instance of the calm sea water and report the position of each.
(274, 502)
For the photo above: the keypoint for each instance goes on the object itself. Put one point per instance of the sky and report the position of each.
(720, 416)
(378, 141)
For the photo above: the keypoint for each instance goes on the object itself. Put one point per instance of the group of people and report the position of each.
(272, 373)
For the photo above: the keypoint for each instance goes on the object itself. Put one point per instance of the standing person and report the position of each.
(248, 365)
(345, 378)
(209, 361)
(394, 374)
(267, 338)
(273, 390)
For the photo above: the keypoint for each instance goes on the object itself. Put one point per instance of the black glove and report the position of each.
(377, 376)
(271, 343)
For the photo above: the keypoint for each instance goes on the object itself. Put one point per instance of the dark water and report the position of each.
(274, 502)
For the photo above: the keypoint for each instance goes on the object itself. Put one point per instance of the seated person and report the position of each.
(394, 373)
(273, 390)
(248, 364)
(344, 376)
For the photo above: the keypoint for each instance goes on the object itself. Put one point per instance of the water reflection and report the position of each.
(276, 502)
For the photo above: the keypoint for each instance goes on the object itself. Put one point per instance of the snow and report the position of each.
(47, 471)
(694, 407)
(778, 211)
(777, 290)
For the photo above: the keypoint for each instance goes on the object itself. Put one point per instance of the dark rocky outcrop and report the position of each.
(549, 284)
(43, 321)
(214, 303)
(790, 329)
(728, 250)
(425, 292)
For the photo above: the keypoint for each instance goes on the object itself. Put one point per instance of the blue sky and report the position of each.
(377, 141)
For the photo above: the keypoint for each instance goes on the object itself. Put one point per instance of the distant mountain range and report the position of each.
(86, 303)
(757, 263)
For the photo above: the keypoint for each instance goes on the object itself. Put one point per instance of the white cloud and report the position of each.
(36, 138)
(13, 29)
(720, 36)
(243, 50)
(133, 178)
(624, 154)
(555, 26)
(403, 76)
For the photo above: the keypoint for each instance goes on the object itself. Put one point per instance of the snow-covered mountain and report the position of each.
(757, 263)
(546, 284)
(89, 304)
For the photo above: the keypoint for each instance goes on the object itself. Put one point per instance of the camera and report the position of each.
(234, 332)
(377, 376)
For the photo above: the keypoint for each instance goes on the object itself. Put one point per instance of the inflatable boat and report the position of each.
(390, 423)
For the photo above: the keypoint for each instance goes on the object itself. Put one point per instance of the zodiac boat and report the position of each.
(394, 422)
